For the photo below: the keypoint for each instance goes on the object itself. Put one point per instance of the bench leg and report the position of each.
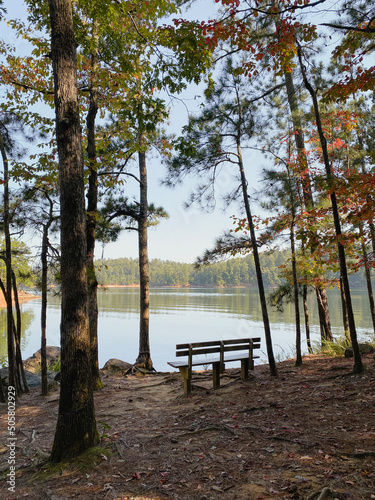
(216, 374)
(186, 374)
(245, 369)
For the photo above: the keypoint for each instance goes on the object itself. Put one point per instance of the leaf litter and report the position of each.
(303, 435)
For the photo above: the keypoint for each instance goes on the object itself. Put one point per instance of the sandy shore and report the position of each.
(22, 297)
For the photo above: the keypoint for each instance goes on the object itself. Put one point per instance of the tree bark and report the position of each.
(325, 323)
(92, 211)
(358, 366)
(367, 275)
(144, 356)
(8, 284)
(258, 269)
(17, 337)
(76, 426)
(296, 300)
(321, 293)
(345, 320)
(307, 321)
(43, 314)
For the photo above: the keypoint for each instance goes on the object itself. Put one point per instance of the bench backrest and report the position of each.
(217, 346)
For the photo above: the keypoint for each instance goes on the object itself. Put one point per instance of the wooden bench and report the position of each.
(241, 349)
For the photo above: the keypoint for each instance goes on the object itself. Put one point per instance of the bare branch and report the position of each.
(367, 29)
(28, 87)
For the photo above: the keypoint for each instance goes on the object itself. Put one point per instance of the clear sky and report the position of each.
(187, 233)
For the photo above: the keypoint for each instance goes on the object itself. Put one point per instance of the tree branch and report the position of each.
(28, 87)
(368, 28)
(121, 173)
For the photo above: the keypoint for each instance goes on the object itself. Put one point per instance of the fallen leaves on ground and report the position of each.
(308, 431)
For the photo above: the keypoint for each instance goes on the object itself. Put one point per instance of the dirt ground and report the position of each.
(311, 430)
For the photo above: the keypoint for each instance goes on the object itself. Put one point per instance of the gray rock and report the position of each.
(363, 349)
(33, 379)
(33, 363)
(116, 365)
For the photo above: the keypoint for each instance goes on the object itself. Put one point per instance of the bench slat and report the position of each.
(241, 341)
(198, 344)
(217, 342)
(203, 350)
(208, 350)
(209, 361)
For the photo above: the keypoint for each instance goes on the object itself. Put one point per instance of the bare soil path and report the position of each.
(309, 429)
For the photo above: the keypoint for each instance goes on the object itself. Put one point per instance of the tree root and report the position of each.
(361, 454)
(323, 494)
(207, 429)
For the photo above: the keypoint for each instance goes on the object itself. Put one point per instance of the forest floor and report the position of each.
(311, 430)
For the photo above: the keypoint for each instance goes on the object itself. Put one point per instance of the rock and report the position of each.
(32, 364)
(363, 349)
(116, 365)
(33, 379)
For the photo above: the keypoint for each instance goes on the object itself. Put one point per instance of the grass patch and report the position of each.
(336, 347)
(52, 367)
(84, 462)
(332, 348)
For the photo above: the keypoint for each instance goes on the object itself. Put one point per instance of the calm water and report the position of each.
(182, 315)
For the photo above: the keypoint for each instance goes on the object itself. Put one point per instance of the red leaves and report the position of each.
(363, 80)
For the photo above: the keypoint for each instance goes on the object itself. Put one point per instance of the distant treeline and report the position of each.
(230, 273)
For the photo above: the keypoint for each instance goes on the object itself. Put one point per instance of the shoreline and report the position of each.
(22, 297)
(137, 285)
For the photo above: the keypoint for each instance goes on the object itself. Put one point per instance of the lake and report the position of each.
(180, 315)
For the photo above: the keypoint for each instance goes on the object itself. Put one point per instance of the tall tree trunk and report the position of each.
(358, 366)
(325, 322)
(371, 225)
(304, 173)
(43, 314)
(92, 211)
(8, 284)
(17, 334)
(17, 348)
(321, 293)
(296, 298)
(307, 321)
(144, 357)
(258, 270)
(345, 320)
(76, 426)
(294, 271)
(372, 234)
(367, 274)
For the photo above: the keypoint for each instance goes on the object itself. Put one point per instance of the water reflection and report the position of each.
(26, 320)
(183, 315)
(234, 302)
